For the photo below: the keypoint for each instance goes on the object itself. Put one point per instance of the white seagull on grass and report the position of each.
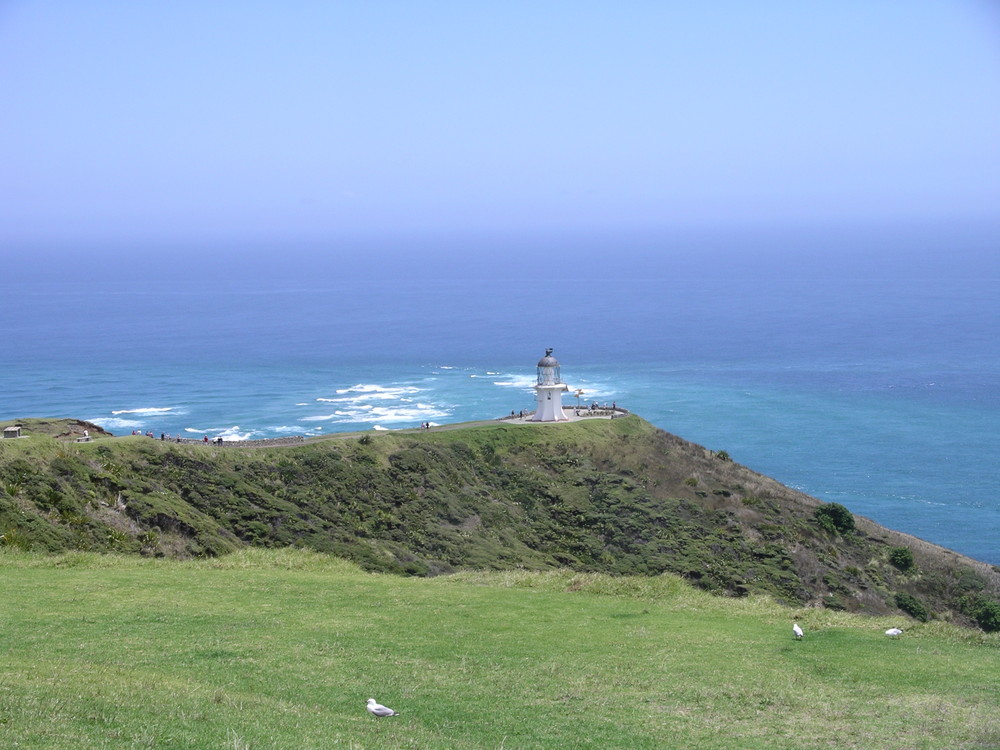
(797, 630)
(893, 632)
(378, 710)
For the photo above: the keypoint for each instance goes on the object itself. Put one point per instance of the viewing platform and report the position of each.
(571, 414)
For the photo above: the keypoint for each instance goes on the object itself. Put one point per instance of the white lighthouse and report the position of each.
(549, 391)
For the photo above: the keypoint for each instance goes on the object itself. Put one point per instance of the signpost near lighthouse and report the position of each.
(549, 390)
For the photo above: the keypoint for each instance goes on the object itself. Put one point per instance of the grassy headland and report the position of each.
(280, 649)
(619, 497)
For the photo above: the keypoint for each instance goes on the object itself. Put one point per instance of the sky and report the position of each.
(139, 124)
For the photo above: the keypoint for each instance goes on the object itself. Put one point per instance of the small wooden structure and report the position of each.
(13, 431)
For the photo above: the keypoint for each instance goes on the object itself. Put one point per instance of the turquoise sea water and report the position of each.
(878, 391)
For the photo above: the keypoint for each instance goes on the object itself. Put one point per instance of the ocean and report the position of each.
(875, 385)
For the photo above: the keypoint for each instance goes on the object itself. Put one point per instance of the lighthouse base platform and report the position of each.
(570, 414)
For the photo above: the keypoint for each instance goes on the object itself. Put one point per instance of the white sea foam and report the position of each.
(226, 433)
(373, 388)
(594, 391)
(380, 428)
(147, 410)
(382, 394)
(233, 433)
(518, 381)
(115, 423)
(302, 404)
(373, 414)
(371, 403)
(924, 501)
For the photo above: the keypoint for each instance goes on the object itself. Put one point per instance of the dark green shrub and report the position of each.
(835, 602)
(988, 616)
(253, 532)
(912, 606)
(901, 557)
(723, 456)
(835, 518)
(967, 581)
(985, 612)
(416, 568)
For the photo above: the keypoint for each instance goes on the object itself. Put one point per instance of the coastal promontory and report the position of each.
(615, 496)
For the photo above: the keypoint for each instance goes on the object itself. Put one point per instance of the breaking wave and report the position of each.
(226, 433)
(115, 423)
(146, 410)
(369, 413)
(518, 381)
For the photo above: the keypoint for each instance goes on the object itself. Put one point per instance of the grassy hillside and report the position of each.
(280, 649)
(619, 496)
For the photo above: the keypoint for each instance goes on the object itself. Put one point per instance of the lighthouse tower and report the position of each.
(549, 391)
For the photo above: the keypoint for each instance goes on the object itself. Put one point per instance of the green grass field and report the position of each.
(281, 649)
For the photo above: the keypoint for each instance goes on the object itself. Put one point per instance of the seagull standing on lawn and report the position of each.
(378, 710)
(797, 630)
(893, 632)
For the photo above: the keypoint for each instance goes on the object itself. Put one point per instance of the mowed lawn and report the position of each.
(282, 649)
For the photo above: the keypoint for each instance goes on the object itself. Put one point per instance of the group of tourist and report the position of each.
(164, 436)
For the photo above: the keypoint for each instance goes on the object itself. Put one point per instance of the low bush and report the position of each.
(912, 606)
(835, 518)
(901, 558)
(988, 616)
(985, 612)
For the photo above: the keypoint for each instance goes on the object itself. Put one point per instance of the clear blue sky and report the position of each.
(222, 121)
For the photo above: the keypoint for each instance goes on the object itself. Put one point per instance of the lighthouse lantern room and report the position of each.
(549, 390)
